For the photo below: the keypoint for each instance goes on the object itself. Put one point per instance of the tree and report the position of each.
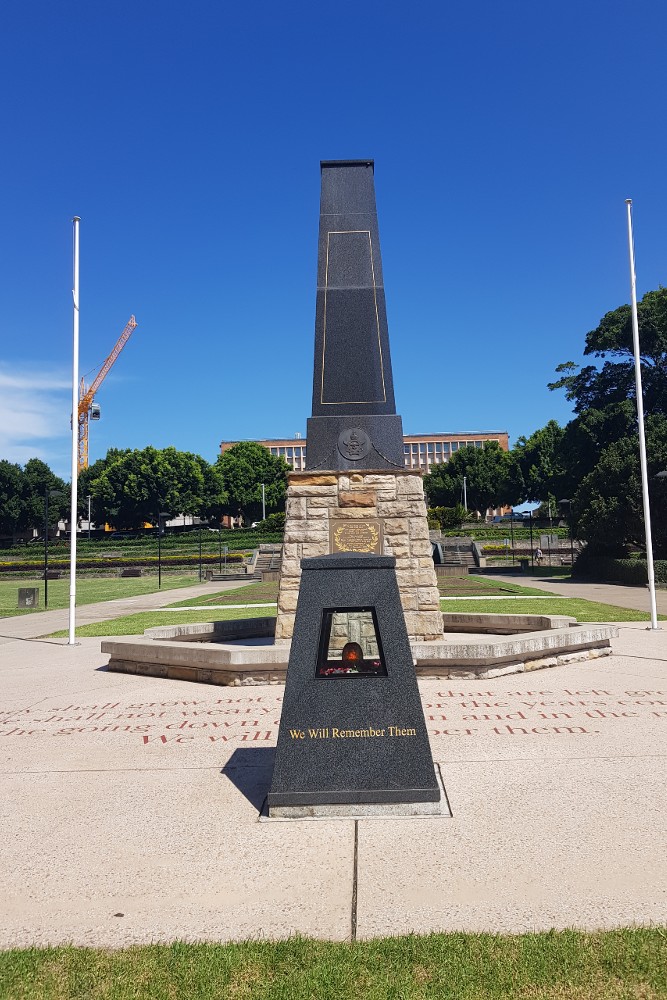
(493, 478)
(600, 447)
(94, 471)
(37, 480)
(11, 497)
(244, 468)
(593, 387)
(139, 485)
(541, 462)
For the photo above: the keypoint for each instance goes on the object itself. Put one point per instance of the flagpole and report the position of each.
(640, 422)
(75, 439)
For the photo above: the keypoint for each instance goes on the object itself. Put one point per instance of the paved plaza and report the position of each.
(129, 806)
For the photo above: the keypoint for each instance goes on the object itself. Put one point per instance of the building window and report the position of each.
(478, 444)
(455, 446)
(274, 451)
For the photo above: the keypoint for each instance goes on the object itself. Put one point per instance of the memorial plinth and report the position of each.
(355, 495)
(352, 737)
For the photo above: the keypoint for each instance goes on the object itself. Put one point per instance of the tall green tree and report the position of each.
(493, 478)
(244, 468)
(37, 480)
(11, 497)
(595, 386)
(600, 446)
(541, 461)
(139, 485)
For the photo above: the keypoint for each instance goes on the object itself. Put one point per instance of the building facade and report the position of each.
(420, 451)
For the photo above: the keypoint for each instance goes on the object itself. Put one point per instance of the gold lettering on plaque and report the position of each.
(356, 536)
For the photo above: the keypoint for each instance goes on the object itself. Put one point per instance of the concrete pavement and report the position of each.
(607, 593)
(41, 623)
(129, 808)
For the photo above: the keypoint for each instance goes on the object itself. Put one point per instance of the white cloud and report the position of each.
(35, 407)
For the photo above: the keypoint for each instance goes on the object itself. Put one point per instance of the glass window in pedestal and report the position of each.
(350, 644)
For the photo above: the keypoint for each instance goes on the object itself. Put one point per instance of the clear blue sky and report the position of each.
(506, 137)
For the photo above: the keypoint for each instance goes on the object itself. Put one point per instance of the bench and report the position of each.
(51, 574)
(130, 572)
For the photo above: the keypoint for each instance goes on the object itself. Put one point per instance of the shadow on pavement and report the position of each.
(250, 770)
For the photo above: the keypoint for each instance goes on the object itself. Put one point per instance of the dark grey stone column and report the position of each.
(354, 424)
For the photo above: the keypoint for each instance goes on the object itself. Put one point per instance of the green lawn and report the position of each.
(137, 624)
(628, 964)
(583, 611)
(89, 590)
(482, 586)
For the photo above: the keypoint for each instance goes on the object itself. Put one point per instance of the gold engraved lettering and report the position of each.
(356, 536)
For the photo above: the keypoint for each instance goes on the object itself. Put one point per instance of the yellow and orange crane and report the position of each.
(87, 408)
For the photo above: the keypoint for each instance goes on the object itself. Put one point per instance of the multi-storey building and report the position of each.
(420, 451)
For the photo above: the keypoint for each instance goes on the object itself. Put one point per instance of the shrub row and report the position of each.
(632, 572)
(119, 562)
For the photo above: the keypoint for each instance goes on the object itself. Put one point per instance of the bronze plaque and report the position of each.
(356, 535)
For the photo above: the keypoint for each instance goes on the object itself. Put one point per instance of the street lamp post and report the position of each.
(263, 502)
(220, 544)
(89, 517)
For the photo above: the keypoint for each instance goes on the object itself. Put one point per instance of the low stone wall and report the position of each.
(392, 500)
(205, 661)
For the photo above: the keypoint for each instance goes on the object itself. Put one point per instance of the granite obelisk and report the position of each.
(356, 494)
(354, 422)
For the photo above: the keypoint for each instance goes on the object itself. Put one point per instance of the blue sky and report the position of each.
(188, 138)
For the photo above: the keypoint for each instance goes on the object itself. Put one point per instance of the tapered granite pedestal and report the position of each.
(356, 495)
(352, 737)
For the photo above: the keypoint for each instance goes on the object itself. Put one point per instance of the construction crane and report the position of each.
(87, 408)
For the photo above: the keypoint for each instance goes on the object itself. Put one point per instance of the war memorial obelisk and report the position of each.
(356, 495)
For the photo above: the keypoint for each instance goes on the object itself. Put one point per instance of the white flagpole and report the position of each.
(75, 440)
(640, 422)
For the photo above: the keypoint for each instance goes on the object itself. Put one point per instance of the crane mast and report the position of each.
(86, 395)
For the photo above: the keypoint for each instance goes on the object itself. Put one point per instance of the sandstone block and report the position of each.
(291, 551)
(304, 531)
(285, 626)
(356, 498)
(343, 482)
(401, 508)
(409, 601)
(287, 600)
(312, 549)
(304, 490)
(419, 528)
(396, 546)
(311, 479)
(361, 513)
(429, 598)
(295, 507)
(318, 513)
(290, 567)
(377, 479)
(410, 487)
(421, 547)
(356, 477)
(396, 526)
(314, 502)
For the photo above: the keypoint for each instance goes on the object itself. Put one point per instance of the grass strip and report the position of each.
(89, 590)
(575, 607)
(563, 965)
(137, 624)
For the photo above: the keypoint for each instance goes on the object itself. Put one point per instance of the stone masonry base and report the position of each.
(394, 498)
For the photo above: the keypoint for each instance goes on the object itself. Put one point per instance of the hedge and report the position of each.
(632, 572)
